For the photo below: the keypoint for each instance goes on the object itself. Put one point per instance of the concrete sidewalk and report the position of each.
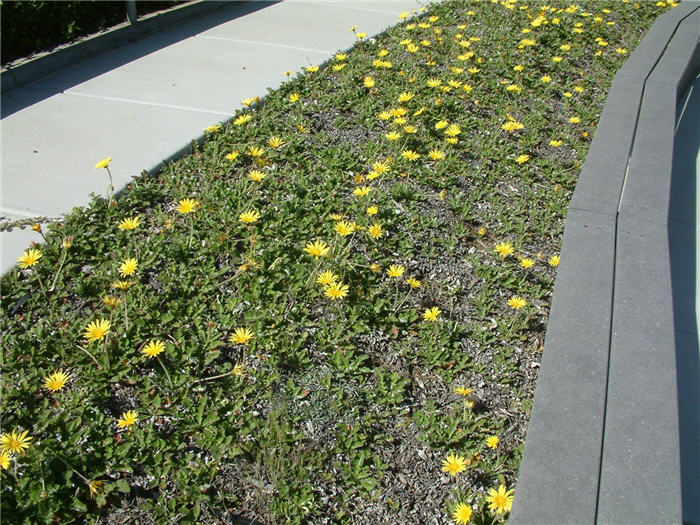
(146, 101)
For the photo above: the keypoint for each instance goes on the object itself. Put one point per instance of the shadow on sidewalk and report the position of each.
(24, 96)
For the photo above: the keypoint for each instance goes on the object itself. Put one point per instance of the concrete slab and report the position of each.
(646, 191)
(564, 438)
(600, 184)
(641, 418)
(54, 146)
(296, 24)
(198, 74)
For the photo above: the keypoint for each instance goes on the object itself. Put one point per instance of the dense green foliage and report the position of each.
(445, 152)
(31, 26)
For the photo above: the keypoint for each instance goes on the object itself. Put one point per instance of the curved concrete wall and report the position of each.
(604, 443)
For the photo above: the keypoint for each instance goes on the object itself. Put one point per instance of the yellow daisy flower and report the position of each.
(454, 464)
(128, 267)
(127, 420)
(241, 336)
(153, 348)
(15, 443)
(56, 381)
(317, 249)
(29, 258)
(96, 330)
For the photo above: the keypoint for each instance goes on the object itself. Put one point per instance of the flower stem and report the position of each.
(110, 188)
(166, 371)
(60, 267)
(91, 356)
(43, 290)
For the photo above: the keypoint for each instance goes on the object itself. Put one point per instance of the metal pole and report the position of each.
(131, 14)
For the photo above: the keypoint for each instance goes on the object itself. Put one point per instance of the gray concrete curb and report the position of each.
(603, 443)
(44, 64)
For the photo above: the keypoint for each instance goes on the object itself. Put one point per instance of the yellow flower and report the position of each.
(395, 271)
(29, 258)
(557, 59)
(545, 78)
(375, 231)
(514, 87)
(212, 129)
(473, 70)
(574, 120)
(621, 50)
(241, 336)
(129, 223)
(504, 249)
(123, 285)
(127, 419)
(405, 96)
(255, 152)
(453, 130)
(554, 261)
(36, 227)
(522, 159)
(441, 124)
(95, 487)
(527, 42)
(344, 228)
(436, 154)
(128, 267)
(462, 513)
(317, 249)
(384, 115)
(56, 381)
(500, 500)
(5, 460)
(369, 82)
(250, 101)
(249, 216)
(454, 464)
(410, 129)
(481, 231)
(410, 155)
(516, 302)
(526, 262)
(232, 156)
(153, 348)
(555, 143)
(294, 97)
(15, 443)
(372, 210)
(393, 135)
(519, 67)
(103, 163)
(463, 390)
(312, 69)
(110, 300)
(492, 441)
(434, 82)
(413, 282)
(274, 141)
(341, 56)
(327, 278)
(431, 314)
(186, 206)
(239, 370)
(512, 125)
(336, 290)
(375, 268)
(256, 175)
(362, 191)
(96, 330)
(242, 119)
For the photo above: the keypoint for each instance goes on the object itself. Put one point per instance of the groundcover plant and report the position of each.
(333, 309)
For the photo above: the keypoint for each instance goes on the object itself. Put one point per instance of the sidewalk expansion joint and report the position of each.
(259, 43)
(146, 103)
